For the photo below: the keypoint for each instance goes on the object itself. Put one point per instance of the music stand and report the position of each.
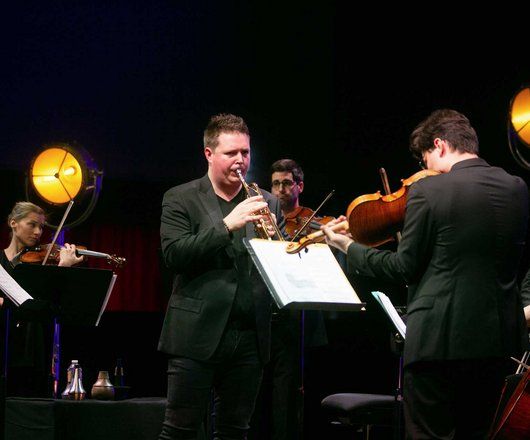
(76, 294)
(311, 280)
(397, 343)
(69, 295)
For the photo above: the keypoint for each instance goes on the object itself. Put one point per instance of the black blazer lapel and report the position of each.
(209, 201)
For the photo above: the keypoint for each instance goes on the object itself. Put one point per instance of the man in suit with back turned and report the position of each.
(217, 326)
(462, 240)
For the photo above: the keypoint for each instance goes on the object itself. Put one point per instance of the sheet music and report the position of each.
(12, 289)
(107, 296)
(309, 277)
(391, 312)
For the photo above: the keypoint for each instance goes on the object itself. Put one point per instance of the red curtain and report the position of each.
(138, 286)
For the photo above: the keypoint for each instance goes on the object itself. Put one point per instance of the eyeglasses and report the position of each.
(422, 162)
(286, 183)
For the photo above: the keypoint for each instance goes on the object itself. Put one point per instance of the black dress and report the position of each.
(26, 353)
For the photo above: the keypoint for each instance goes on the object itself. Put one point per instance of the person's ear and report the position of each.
(443, 148)
(301, 186)
(208, 153)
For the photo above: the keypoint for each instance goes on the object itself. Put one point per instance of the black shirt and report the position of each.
(5, 263)
(242, 314)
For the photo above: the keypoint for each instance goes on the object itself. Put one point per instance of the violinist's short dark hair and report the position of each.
(448, 125)
(223, 123)
(289, 166)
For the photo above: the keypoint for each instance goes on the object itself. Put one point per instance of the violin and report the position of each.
(37, 254)
(372, 219)
(298, 218)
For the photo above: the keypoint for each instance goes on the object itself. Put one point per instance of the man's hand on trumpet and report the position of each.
(245, 212)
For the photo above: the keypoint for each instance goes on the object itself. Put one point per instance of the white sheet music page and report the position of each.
(391, 312)
(12, 289)
(312, 276)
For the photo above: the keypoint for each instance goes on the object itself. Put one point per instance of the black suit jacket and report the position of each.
(462, 241)
(197, 247)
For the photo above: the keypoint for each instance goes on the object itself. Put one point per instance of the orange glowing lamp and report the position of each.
(520, 115)
(57, 175)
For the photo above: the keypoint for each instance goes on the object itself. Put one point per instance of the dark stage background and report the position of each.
(135, 83)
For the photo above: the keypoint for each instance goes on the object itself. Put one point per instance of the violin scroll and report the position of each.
(118, 262)
(316, 237)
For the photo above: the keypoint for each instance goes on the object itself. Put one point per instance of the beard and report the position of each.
(287, 204)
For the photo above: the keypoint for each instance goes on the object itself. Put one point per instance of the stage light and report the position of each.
(520, 115)
(61, 173)
(56, 175)
(519, 127)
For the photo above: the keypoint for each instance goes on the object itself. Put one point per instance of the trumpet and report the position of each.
(263, 225)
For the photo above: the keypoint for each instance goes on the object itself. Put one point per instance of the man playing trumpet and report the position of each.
(217, 326)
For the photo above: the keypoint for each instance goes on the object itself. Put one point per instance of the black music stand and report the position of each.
(74, 295)
(70, 295)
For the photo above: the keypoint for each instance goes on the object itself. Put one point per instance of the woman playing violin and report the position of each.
(27, 369)
(462, 240)
(26, 221)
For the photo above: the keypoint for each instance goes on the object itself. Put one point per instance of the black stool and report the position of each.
(365, 410)
(368, 410)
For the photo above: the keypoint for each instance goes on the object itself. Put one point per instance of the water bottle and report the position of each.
(119, 379)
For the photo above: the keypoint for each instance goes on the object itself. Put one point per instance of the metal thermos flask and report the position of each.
(69, 376)
(77, 392)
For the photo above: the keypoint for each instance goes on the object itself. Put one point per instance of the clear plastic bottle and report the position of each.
(119, 379)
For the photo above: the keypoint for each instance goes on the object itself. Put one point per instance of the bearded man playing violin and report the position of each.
(462, 241)
(281, 387)
(287, 183)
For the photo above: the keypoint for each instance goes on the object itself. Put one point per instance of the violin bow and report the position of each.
(521, 363)
(386, 187)
(312, 215)
(50, 247)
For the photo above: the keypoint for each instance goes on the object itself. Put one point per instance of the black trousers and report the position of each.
(452, 399)
(279, 406)
(234, 372)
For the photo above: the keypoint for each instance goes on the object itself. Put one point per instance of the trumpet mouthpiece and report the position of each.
(240, 175)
